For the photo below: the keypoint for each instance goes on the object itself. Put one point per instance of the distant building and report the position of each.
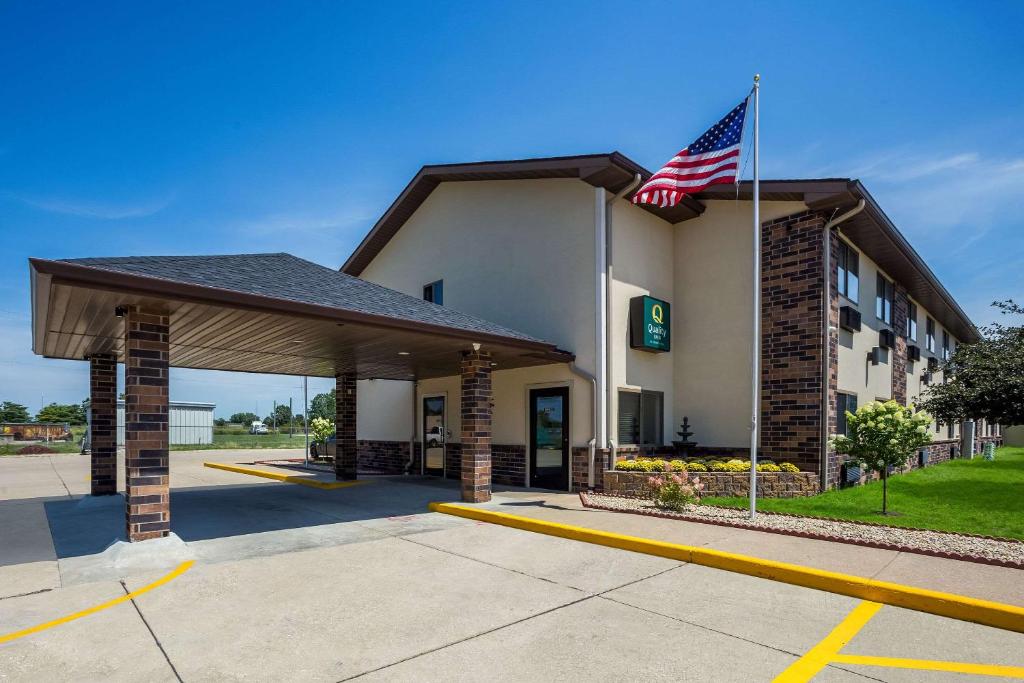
(190, 423)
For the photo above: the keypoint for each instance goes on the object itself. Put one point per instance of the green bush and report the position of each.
(696, 466)
(673, 491)
(677, 465)
(789, 467)
(768, 467)
(717, 466)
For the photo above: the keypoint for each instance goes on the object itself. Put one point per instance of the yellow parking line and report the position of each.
(933, 665)
(182, 568)
(291, 479)
(818, 657)
(999, 615)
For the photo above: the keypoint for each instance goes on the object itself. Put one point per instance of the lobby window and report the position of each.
(849, 272)
(434, 292)
(883, 300)
(912, 321)
(844, 402)
(641, 417)
(929, 335)
(945, 345)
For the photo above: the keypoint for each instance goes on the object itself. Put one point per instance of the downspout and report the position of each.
(592, 444)
(609, 388)
(826, 333)
(412, 439)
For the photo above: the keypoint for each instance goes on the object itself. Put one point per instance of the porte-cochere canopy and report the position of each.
(269, 313)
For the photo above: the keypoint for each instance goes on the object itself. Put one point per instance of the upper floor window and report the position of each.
(849, 272)
(434, 292)
(883, 300)
(945, 345)
(912, 322)
(929, 335)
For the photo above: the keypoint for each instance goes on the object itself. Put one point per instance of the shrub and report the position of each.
(321, 428)
(717, 466)
(789, 467)
(628, 466)
(673, 491)
(677, 465)
(768, 467)
(696, 466)
(737, 465)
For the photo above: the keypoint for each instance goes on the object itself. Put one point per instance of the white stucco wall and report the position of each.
(384, 410)
(643, 263)
(711, 319)
(516, 252)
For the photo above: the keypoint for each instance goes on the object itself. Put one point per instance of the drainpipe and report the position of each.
(592, 444)
(609, 388)
(826, 333)
(412, 439)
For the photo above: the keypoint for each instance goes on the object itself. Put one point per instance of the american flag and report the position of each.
(711, 159)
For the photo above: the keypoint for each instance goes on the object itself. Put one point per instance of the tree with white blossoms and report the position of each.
(883, 435)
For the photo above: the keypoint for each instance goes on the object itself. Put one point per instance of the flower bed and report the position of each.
(769, 484)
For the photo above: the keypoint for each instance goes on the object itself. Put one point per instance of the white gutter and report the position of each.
(826, 333)
(592, 443)
(607, 333)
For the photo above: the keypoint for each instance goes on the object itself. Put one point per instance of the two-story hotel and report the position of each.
(523, 323)
(554, 247)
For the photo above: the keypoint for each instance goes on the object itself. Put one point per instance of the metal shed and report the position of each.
(189, 423)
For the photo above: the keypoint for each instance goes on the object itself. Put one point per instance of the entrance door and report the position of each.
(434, 435)
(549, 438)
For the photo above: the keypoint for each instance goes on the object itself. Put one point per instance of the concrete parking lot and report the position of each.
(295, 583)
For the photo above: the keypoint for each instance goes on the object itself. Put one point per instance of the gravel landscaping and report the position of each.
(975, 548)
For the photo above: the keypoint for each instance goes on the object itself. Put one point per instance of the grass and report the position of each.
(223, 438)
(967, 496)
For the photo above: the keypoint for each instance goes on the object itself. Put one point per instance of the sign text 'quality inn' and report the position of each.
(650, 324)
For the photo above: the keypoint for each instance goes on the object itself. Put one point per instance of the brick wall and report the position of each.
(791, 339)
(475, 463)
(147, 480)
(382, 457)
(346, 454)
(508, 464)
(103, 423)
(579, 462)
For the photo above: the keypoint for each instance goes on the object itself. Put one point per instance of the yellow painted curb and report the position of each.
(303, 481)
(181, 569)
(999, 615)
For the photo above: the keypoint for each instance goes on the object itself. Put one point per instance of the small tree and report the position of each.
(13, 412)
(72, 413)
(243, 418)
(321, 428)
(883, 435)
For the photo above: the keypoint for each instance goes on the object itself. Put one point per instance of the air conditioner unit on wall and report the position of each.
(849, 318)
(914, 353)
(933, 364)
(886, 339)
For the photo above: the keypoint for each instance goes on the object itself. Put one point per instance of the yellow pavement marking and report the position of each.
(818, 657)
(933, 665)
(182, 568)
(291, 479)
(1009, 617)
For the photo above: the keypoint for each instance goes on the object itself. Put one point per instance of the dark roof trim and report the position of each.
(613, 171)
(62, 272)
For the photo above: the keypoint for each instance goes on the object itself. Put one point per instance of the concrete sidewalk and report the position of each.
(1001, 584)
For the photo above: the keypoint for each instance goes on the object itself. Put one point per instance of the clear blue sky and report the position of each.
(177, 128)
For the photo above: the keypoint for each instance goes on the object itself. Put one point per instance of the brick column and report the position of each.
(103, 424)
(476, 426)
(147, 481)
(345, 426)
(901, 308)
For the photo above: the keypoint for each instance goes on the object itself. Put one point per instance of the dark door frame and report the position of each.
(423, 434)
(559, 482)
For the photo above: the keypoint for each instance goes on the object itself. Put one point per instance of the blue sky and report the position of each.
(177, 128)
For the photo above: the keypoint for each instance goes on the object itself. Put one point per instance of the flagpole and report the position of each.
(755, 353)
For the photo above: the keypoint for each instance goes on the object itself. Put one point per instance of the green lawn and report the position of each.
(223, 437)
(969, 496)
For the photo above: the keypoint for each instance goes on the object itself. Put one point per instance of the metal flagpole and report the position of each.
(755, 346)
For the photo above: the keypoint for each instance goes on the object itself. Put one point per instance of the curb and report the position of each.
(978, 559)
(288, 478)
(998, 615)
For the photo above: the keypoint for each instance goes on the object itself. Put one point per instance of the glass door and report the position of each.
(434, 435)
(549, 438)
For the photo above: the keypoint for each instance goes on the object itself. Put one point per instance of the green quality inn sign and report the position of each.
(650, 324)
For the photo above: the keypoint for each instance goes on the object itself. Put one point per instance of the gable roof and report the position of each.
(871, 230)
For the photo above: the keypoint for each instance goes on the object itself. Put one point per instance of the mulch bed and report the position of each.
(34, 450)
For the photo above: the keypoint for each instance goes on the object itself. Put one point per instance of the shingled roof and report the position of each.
(288, 277)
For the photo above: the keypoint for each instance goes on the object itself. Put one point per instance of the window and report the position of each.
(912, 321)
(849, 271)
(949, 430)
(883, 300)
(945, 345)
(844, 402)
(434, 292)
(929, 335)
(641, 417)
